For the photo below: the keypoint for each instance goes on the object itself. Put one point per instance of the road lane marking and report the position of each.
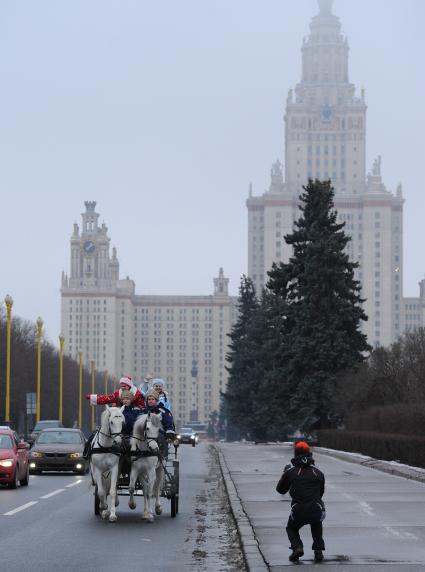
(23, 507)
(367, 508)
(73, 484)
(52, 494)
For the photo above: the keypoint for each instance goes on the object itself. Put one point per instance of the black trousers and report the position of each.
(293, 531)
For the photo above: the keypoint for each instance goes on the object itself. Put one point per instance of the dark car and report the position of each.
(187, 435)
(13, 459)
(45, 424)
(58, 449)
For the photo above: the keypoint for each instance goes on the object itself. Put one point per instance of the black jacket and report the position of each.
(306, 485)
(303, 480)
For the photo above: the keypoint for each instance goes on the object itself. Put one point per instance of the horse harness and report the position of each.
(114, 448)
(138, 454)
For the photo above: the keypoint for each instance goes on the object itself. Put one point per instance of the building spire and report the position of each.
(325, 6)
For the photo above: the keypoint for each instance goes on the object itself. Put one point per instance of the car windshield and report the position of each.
(186, 430)
(45, 425)
(59, 437)
(5, 442)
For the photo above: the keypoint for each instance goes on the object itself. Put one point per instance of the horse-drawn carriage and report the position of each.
(148, 470)
(170, 483)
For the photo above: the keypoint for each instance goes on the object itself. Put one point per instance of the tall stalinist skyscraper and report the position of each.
(325, 138)
(182, 339)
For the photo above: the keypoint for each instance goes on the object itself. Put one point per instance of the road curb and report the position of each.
(384, 466)
(254, 559)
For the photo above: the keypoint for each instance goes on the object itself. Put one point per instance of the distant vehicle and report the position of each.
(199, 428)
(187, 435)
(14, 465)
(58, 449)
(45, 424)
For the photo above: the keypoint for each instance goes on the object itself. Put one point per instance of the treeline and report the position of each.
(23, 379)
(293, 340)
(387, 393)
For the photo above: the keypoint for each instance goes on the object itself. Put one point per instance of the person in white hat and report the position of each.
(158, 386)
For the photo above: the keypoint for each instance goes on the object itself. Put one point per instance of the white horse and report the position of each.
(105, 459)
(146, 463)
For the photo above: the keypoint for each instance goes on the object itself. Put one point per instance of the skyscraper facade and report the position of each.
(325, 138)
(182, 339)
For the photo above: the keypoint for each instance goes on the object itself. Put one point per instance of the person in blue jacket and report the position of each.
(158, 385)
(130, 412)
(153, 405)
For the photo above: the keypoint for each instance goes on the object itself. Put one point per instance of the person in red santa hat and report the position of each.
(125, 384)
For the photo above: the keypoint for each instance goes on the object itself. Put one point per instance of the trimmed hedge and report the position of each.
(398, 418)
(406, 449)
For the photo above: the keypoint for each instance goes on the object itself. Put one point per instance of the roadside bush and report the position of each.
(406, 449)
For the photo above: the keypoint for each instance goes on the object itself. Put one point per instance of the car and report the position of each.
(187, 435)
(45, 424)
(14, 465)
(58, 449)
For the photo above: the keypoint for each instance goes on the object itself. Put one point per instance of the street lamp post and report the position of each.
(80, 392)
(9, 303)
(39, 332)
(92, 390)
(61, 341)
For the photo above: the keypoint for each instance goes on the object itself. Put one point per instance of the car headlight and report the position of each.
(36, 455)
(178, 437)
(6, 463)
(192, 437)
(75, 455)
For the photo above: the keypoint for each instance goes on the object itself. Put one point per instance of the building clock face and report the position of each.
(326, 113)
(89, 247)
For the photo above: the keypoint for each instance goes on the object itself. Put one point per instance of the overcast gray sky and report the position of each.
(163, 112)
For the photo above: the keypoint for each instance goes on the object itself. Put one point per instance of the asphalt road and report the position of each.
(50, 525)
(375, 521)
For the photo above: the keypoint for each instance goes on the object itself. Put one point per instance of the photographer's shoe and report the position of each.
(296, 554)
(318, 556)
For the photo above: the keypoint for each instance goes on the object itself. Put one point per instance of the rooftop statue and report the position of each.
(376, 169)
(325, 6)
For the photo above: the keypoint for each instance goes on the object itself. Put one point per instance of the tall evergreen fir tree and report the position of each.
(239, 398)
(325, 306)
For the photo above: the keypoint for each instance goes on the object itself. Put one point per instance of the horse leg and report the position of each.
(147, 491)
(113, 492)
(132, 485)
(159, 474)
(101, 491)
(106, 486)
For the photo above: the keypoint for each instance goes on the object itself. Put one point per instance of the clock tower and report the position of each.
(91, 265)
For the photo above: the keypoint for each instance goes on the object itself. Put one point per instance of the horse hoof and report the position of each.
(105, 514)
(113, 518)
(158, 510)
(150, 518)
(132, 505)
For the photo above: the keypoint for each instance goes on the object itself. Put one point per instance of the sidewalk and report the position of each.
(251, 473)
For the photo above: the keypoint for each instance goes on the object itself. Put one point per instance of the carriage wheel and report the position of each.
(96, 502)
(174, 506)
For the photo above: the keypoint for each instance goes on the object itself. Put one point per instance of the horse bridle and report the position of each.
(146, 428)
(111, 434)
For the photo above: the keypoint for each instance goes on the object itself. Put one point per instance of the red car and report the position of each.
(14, 465)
